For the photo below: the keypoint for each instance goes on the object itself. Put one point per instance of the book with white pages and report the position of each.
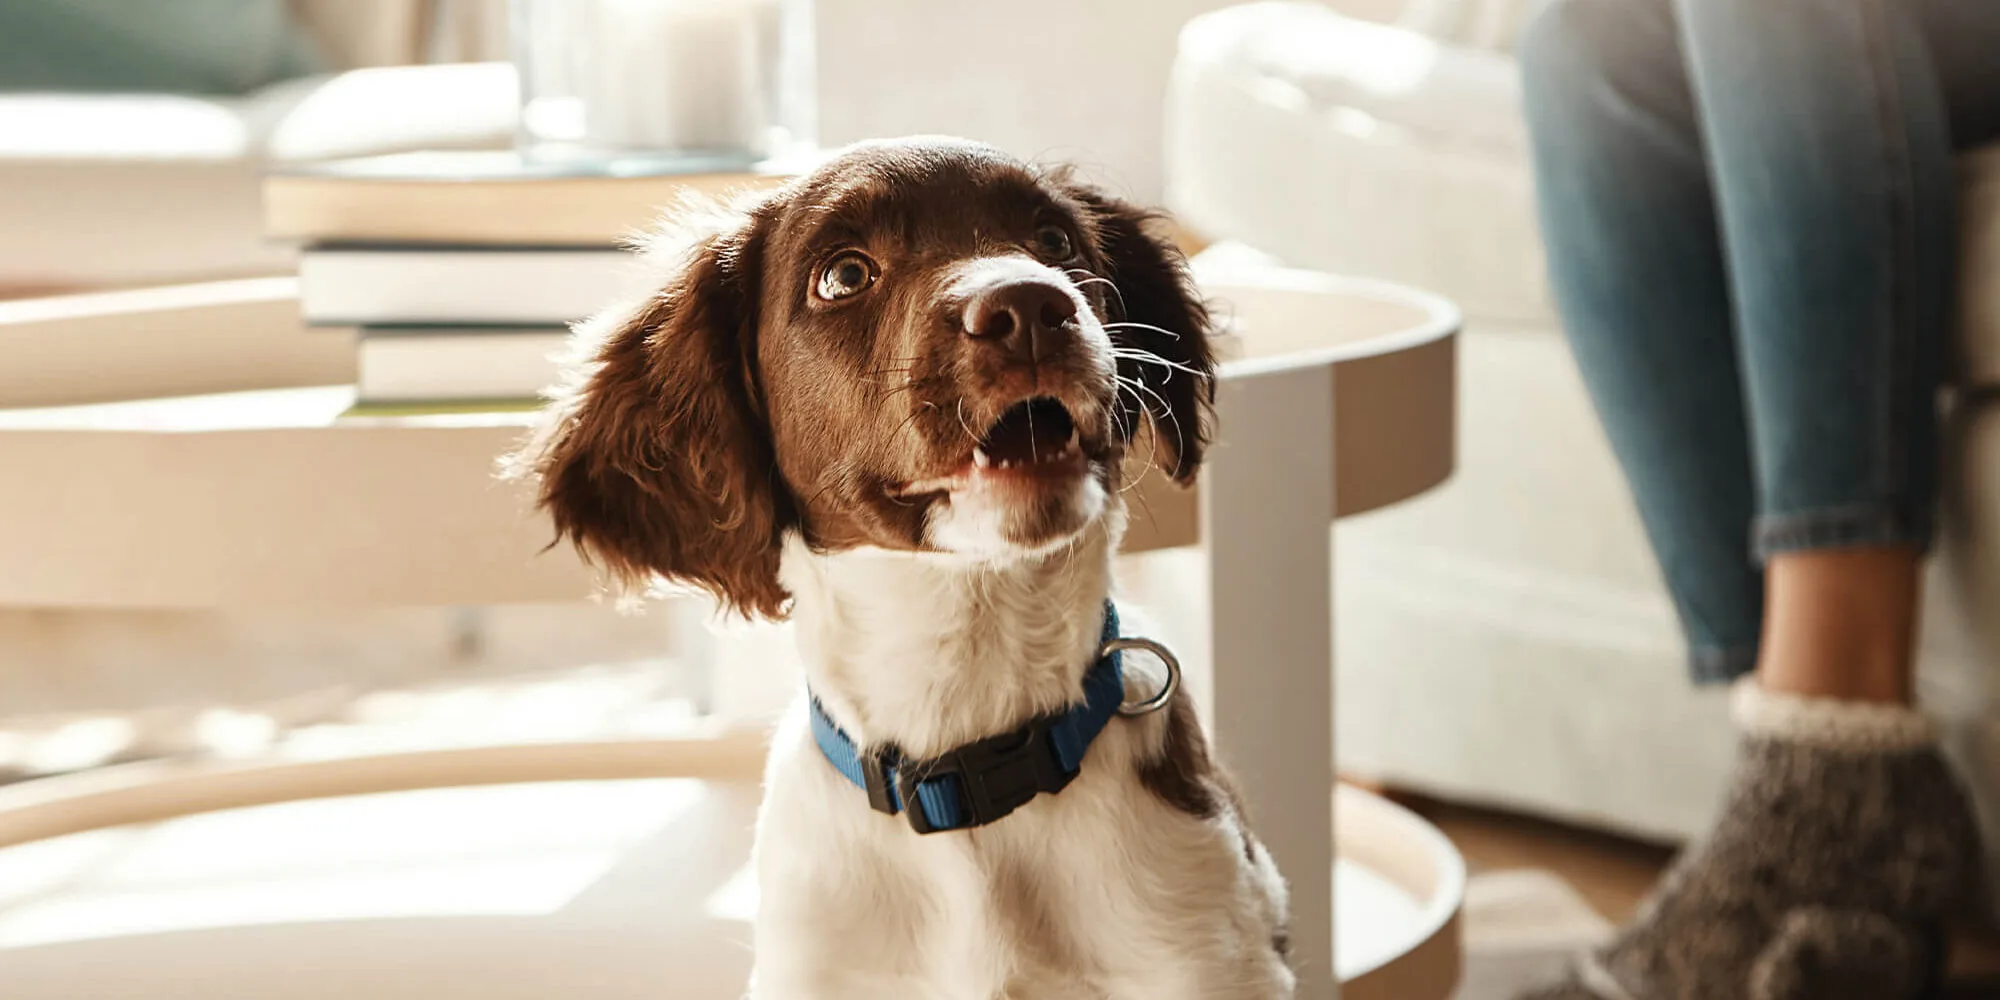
(443, 364)
(488, 197)
(360, 285)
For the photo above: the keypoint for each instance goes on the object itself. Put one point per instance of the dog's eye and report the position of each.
(848, 273)
(1053, 243)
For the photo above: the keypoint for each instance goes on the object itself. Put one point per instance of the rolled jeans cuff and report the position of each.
(1839, 528)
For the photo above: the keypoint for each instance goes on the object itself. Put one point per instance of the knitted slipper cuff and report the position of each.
(1830, 723)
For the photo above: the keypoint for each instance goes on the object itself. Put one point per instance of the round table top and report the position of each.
(274, 498)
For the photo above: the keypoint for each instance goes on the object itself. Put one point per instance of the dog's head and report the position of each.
(922, 345)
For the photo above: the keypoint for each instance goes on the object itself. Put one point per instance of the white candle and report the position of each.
(682, 75)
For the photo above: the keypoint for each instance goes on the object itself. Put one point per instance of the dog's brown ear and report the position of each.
(1162, 315)
(654, 458)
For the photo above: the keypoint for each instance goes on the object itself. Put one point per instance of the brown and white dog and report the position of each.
(893, 401)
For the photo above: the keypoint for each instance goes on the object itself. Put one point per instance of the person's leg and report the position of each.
(1841, 621)
(1635, 256)
(1845, 839)
(1835, 187)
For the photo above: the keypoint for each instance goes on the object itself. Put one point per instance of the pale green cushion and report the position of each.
(179, 46)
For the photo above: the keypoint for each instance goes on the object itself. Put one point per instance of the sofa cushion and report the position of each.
(1341, 145)
(100, 189)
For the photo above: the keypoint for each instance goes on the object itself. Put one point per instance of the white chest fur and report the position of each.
(1105, 890)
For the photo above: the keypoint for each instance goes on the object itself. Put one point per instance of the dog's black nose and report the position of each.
(1028, 318)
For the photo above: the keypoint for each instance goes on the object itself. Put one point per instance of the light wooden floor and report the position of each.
(1611, 873)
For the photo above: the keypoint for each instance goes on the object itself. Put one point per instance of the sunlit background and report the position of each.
(274, 639)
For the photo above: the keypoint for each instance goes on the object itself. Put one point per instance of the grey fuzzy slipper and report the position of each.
(1844, 847)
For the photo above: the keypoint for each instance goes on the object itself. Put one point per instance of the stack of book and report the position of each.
(463, 271)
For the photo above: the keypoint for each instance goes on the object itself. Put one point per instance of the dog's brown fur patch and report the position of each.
(1183, 775)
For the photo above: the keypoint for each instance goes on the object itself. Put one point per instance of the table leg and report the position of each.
(1267, 502)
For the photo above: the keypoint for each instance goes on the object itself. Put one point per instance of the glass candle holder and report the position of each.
(686, 85)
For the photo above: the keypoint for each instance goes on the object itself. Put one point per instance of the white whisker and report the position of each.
(1180, 436)
(1108, 283)
(1125, 385)
(962, 423)
(1132, 324)
(1144, 356)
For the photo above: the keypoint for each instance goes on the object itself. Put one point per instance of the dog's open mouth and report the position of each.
(1032, 432)
(1036, 442)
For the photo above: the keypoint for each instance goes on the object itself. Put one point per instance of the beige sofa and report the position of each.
(1508, 639)
(109, 189)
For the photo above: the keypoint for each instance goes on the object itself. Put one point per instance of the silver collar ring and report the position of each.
(1159, 700)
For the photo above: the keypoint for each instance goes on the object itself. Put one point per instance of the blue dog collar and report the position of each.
(980, 782)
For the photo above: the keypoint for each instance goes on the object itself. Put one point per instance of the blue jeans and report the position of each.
(1750, 225)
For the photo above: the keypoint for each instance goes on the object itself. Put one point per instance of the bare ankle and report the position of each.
(1841, 623)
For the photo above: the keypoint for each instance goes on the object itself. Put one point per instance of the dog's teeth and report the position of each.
(981, 459)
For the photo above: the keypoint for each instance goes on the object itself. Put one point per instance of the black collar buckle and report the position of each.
(996, 776)
(875, 778)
